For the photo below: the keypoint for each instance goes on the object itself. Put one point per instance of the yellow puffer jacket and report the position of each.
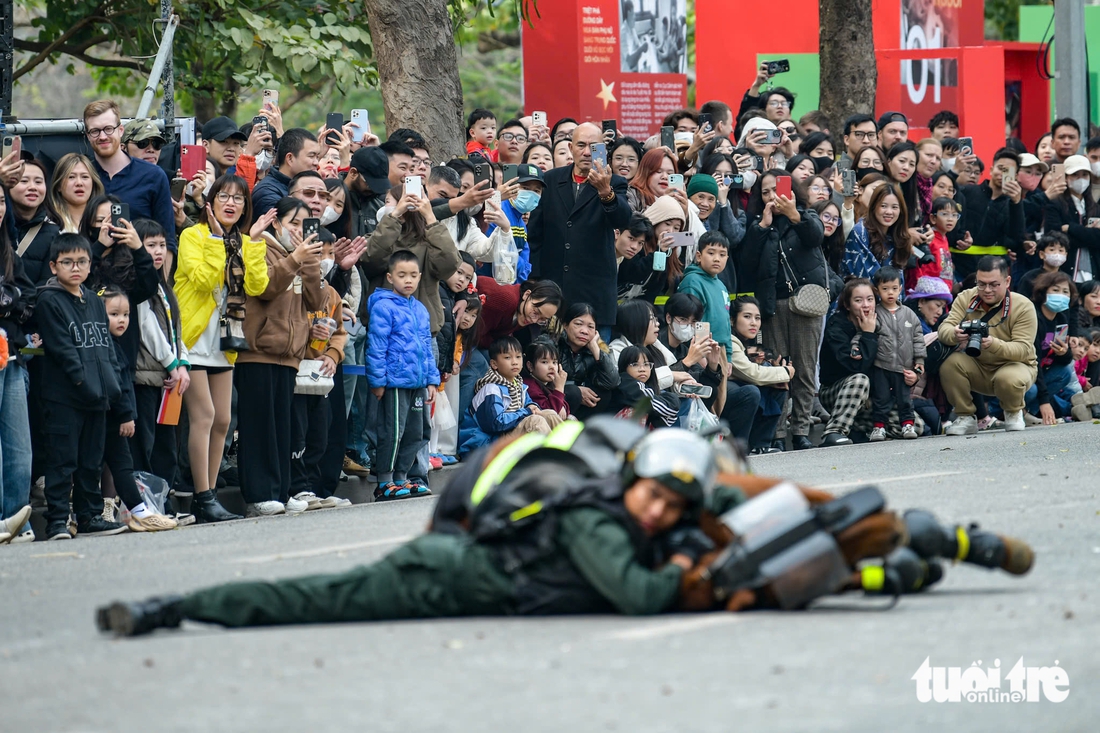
(201, 273)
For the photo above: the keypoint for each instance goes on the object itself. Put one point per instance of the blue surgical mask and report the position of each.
(1057, 302)
(526, 201)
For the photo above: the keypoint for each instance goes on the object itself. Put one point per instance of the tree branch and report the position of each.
(45, 50)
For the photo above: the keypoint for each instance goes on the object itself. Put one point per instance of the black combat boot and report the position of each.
(135, 619)
(930, 539)
(206, 508)
(903, 571)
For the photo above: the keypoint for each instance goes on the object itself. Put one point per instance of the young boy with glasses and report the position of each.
(81, 369)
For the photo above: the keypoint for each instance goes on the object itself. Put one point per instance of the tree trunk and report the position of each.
(847, 57)
(414, 49)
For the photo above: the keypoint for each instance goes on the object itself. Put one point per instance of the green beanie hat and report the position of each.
(700, 183)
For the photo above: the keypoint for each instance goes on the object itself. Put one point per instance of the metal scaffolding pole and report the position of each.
(1071, 95)
(167, 80)
(163, 54)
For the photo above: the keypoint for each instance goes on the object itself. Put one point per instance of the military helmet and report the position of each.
(678, 459)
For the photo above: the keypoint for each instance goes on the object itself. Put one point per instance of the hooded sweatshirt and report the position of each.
(716, 303)
(80, 367)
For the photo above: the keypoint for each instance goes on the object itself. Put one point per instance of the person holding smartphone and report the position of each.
(1056, 383)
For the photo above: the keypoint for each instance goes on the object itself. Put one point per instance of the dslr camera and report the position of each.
(975, 331)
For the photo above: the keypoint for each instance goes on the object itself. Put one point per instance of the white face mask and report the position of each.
(326, 267)
(206, 190)
(750, 179)
(264, 160)
(1096, 168)
(329, 216)
(1080, 185)
(285, 240)
(384, 212)
(682, 332)
(947, 164)
(474, 210)
(1055, 259)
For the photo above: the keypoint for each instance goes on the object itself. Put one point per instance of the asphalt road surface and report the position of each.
(842, 667)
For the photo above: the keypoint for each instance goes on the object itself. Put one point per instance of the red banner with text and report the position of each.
(608, 60)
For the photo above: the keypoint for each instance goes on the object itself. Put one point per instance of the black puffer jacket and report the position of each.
(584, 371)
(37, 254)
(17, 295)
(760, 261)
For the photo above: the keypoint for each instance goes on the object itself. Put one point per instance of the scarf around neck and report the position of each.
(515, 389)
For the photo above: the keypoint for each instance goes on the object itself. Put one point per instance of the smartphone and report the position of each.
(783, 186)
(312, 225)
(510, 172)
(187, 131)
(758, 163)
(178, 185)
(966, 146)
(612, 126)
(1061, 333)
(538, 118)
(848, 180)
(192, 160)
(483, 172)
(119, 211)
(1093, 221)
(779, 66)
(659, 261)
(414, 185)
(702, 330)
(360, 125)
(259, 121)
(1008, 176)
(599, 153)
(705, 121)
(495, 198)
(1058, 172)
(271, 95)
(735, 180)
(668, 137)
(772, 137)
(701, 390)
(334, 121)
(682, 239)
(9, 145)
(676, 180)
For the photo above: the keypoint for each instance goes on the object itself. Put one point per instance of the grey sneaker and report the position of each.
(334, 502)
(312, 500)
(110, 510)
(264, 509)
(1014, 421)
(877, 435)
(964, 425)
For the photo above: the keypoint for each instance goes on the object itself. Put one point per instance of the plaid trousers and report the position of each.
(849, 404)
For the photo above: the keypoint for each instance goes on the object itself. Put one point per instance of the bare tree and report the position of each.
(417, 61)
(847, 56)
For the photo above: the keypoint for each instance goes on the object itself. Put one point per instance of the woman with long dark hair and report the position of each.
(880, 237)
(901, 166)
(16, 307)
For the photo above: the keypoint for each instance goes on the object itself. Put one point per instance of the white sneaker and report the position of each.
(964, 425)
(1030, 419)
(264, 509)
(295, 505)
(312, 500)
(909, 432)
(1014, 421)
(334, 502)
(15, 522)
(877, 435)
(19, 539)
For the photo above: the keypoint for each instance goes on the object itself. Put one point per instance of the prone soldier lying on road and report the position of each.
(605, 518)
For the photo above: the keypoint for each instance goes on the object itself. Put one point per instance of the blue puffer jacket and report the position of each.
(488, 417)
(399, 352)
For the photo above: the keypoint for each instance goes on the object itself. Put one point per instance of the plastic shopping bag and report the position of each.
(699, 418)
(506, 263)
(443, 415)
(153, 490)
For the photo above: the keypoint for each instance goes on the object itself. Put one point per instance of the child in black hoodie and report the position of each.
(81, 374)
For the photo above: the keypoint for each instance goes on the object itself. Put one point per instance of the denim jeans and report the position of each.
(15, 442)
(1061, 384)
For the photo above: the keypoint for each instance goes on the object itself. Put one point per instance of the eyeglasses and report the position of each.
(779, 103)
(988, 286)
(224, 196)
(74, 264)
(948, 214)
(829, 219)
(510, 137)
(818, 189)
(108, 131)
(321, 193)
(862, 135)
(143, 144)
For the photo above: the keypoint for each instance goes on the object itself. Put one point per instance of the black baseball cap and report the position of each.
(374, 166)
(889, 117)
(221, 129)
(528, 173)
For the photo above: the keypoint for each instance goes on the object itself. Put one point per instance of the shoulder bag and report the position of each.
(811, 301)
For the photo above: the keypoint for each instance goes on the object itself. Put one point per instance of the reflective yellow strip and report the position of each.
(874, 577)
(525, 512)
(505, 461)
(660, 300)
(980, 251)
(964, 543)
(564, 435)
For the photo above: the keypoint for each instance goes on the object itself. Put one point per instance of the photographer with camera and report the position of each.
(997, 329)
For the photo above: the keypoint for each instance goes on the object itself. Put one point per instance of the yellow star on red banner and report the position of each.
(607, 94)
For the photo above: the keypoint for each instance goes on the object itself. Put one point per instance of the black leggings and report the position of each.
(116, 454)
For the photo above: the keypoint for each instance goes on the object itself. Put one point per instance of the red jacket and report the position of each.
(546, 397)
(943, 267)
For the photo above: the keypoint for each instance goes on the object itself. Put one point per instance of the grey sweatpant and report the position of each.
(799, 339)
(403, 429)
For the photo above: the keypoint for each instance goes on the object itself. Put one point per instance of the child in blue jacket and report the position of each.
(501, 404)
(400, 371)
